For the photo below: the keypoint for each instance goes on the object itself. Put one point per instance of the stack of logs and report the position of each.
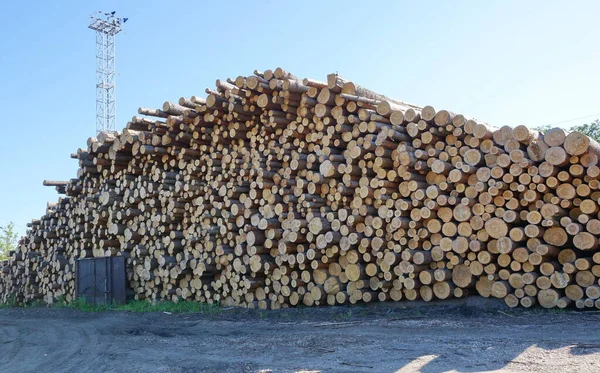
(275, 191)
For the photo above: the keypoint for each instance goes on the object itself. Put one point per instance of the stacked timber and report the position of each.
(274, 191)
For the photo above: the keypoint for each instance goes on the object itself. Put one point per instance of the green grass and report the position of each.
(541, 310)
(12, 302)
(134, 306)
(145, 306)
(179, 307)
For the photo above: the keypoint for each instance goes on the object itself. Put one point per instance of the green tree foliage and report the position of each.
(543, 129)
(592, 130)
(8, 240)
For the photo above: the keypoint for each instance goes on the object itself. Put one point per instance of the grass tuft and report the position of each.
(173, 307)
(145, 306)
(80, 304)
(12, 302)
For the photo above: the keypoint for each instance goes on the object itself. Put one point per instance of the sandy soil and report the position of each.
(462, 337)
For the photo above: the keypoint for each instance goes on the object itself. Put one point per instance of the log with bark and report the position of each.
(276, 191)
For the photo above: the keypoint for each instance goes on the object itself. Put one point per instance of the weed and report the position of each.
(82, 305)
(34, 304)
(12, 302)
(145, 306)
(539, 310)
(173, 307)
(346, 315)
(60, 302)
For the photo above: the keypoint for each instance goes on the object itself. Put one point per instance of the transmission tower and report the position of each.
(107, 26)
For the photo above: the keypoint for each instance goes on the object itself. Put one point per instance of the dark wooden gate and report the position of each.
(102, 280)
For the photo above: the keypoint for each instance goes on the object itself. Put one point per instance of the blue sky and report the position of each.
(504, 62)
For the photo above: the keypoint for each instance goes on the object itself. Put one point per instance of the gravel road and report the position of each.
(462, 337)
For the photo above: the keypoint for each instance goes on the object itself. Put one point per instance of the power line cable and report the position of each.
(572, 120)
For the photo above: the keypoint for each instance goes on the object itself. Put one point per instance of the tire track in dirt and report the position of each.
(11, 343)
(69, 341)
(48, 347)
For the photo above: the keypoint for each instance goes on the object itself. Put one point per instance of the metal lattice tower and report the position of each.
(107, 26)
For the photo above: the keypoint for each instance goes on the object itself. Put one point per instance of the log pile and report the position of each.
(275, 191)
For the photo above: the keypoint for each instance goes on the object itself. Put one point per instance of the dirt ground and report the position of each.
(466, 336)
